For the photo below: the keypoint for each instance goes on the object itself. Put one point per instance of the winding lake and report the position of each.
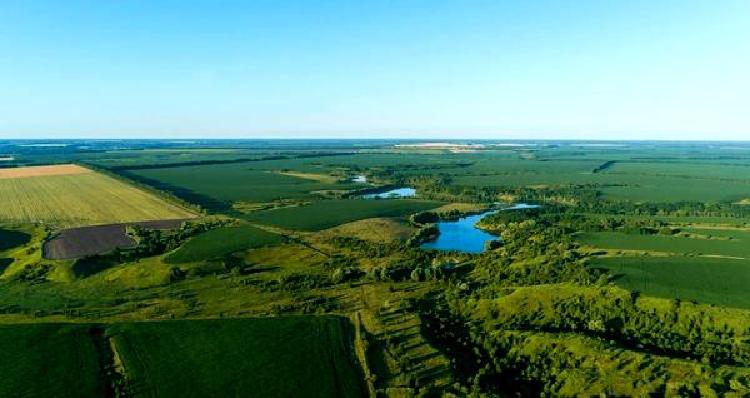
(463, 235)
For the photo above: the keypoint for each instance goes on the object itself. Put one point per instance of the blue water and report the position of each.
(463, 235)
(392, 194)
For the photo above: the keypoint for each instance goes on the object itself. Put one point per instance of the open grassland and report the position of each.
(381, 230)
(706, 280)
(220, 242)
(80, 199)
(731, 244)
(49, 360)
(301, 356)
(329, 213)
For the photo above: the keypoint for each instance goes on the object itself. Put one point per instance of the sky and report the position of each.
(656, 69)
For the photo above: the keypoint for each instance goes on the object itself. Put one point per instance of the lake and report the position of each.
(463, 235)
(395, 193)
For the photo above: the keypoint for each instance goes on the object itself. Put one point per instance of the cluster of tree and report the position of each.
(532, 252)
(363, 247)
(33, 273)
(149, 241)
(574, 365)
(680, 331)
(307, 304)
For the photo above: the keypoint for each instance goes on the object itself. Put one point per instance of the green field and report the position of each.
(220, 242)
(737, 246)
(247, 182)
(49, 360)
(706, 280)
(268, 357)
(80, 199)
(329, 213)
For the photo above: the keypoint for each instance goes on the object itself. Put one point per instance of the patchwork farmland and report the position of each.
(70, 195)
(239, 357)
(252, 296)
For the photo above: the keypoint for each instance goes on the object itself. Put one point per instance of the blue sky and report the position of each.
(435, 69)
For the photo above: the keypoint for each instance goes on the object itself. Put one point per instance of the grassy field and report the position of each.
(80, 199)
(219, 242)
(381, 230)
(49, 360)
(737, 246)
(707, 280)
(269, 357)
(329, 213)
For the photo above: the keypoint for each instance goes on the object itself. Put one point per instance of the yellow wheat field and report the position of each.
(79, 198)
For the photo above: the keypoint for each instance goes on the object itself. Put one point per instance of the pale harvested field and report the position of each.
(82, 197)
(38, 171)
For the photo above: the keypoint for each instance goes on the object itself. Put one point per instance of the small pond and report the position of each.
(359, 179)
(395, 193)
(463, 235)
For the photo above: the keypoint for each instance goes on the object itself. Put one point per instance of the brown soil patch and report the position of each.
(38, 171)
(98, 239)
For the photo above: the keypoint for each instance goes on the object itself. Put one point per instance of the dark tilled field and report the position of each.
(98, 239)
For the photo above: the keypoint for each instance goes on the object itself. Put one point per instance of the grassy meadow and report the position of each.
(220, 242)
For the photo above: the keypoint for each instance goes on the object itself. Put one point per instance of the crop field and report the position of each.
(330, 213)
(707, 280)
(734, 244)
(38, 171)
(228, 183)
(300, 356)
(80, 199)
(220, 242)
(63, 362)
